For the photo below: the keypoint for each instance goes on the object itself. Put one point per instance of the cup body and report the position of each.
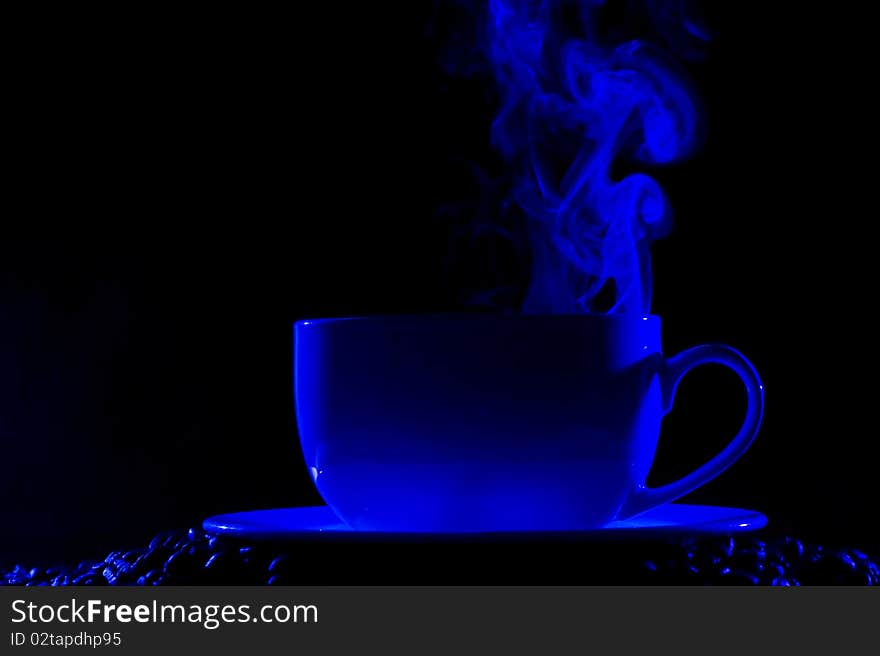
(478, 422)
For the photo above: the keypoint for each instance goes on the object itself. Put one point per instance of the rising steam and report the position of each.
(573, 109)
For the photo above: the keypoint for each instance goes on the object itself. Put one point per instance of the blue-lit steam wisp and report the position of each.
(574, 111)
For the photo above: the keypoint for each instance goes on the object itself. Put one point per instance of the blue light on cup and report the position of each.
(495, 423)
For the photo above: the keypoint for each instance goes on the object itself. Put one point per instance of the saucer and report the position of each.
(320, 523)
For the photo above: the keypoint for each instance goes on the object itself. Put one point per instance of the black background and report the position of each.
(181, 187)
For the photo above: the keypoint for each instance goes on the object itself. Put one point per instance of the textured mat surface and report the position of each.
(192, 557)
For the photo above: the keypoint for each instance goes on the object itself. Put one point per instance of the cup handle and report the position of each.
(644, 498)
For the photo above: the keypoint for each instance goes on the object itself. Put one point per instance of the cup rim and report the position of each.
(474, 316)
